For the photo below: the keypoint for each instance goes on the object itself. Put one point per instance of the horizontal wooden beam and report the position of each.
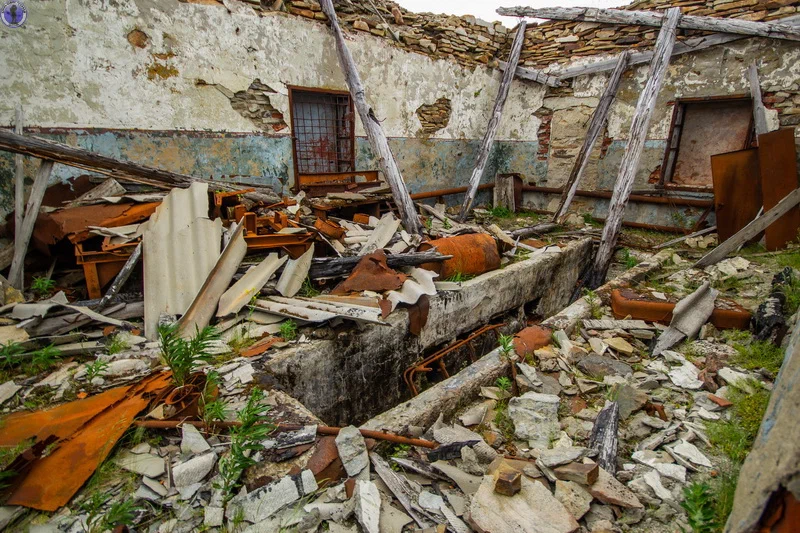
(532, 74)
(774, 30)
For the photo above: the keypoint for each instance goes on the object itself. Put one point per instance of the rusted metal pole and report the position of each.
(321, 430)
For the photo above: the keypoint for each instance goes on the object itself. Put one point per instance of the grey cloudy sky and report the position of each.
(485, 9)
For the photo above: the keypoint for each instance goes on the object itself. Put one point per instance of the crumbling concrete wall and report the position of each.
(363, 370)
(718, 71)
(203, 88)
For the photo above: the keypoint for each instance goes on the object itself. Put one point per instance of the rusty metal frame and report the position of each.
(293, 89)
(424, 365)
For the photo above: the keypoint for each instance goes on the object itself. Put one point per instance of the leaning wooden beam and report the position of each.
(109, 166)
(342, 266)
(494, 122)
(595, 127)
(683, 238)
(532, 74)
(19, 180)
(751, 230)
(16, 274)
(372, 127)
(759, 111)
(121, 278)
(633, 150)
(775, 30)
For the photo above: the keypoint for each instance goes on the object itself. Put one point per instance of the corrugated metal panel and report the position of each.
(181, 246)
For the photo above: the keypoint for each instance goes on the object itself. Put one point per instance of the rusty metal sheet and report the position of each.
(709, 128)
(371, 274)
(737, 190)
(473, 254)
(51, 481)
(418, 315)
(532, 338)
(74, 222)
(777, 156)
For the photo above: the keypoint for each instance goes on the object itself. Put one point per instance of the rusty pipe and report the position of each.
(322, 430)
(447, 192)
(666, 200)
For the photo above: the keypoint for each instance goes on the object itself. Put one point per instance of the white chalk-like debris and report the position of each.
(689, 451)
(352, 450)
(368, 506)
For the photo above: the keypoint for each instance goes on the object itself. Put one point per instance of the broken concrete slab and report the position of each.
(599, 366)
(653, 480)
(352, 450)
(535, 418)
(262, 503)
(685, 376)
(560, 456)
(368, 506)
(690, 452)
(610, 491)
(583, 473)
(145, 464)
(192, 442)
(574, 497)
(194, 470)
(532, 510)
(8, 390)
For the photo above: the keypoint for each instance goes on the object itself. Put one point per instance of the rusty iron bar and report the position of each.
(448, 192)
(668, 200)
(321, 430)
(424, 365)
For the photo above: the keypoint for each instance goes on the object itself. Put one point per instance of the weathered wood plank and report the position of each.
(504, 192)
(595, 127)
(121, 278)
(494, 122)
(604, 437)
(759, 111)
(751, 230)
(16, 274)
(774, 30)
(372, 127)
(633, 150)
(532, 74)
(19, 179)
(683, 238)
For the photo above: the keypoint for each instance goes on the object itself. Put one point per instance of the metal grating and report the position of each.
(322, 125)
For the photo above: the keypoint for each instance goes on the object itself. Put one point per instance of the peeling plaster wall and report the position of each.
(713, 72)
(75, 67)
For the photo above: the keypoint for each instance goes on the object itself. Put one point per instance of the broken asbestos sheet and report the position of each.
(421, 282)
(180, 248)
(295, 273)
(311, 310)
(688, 317)
(250, 284)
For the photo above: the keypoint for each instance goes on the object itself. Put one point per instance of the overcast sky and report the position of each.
(485, 9)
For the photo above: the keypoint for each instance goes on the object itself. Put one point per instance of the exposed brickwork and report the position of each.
(786, 101)
(543, 135)
(254, 105)
(434, 117)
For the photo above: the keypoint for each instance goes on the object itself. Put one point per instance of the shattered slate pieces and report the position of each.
(145, 464)
(535, 418)
(610, 491)
(194, 470)
(265, 501)
(353, 450)
(368, 506)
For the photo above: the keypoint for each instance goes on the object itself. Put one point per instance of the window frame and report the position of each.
(672, 150)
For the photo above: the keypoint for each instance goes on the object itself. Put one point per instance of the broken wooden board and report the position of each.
(590, 323)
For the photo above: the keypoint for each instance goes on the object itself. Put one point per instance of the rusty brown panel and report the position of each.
(777, 156)
(737, 190)
(371, 274)
(709, 129)
(473, 254)
(53, 480)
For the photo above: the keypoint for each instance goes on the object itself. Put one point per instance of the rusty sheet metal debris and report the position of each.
(777, 157)
(329, 228)
(249, 285)
(83, 433)
(473, 254)
(204, 305)
(181, 247)
(295, 273)
(371, 274)
(74, 222)
(737, 190)
(532, 338)
(418, 315)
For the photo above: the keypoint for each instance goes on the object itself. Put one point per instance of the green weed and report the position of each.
(506, 344)
(240, 340)
(400, 450)
(736, 336)
(792, 292)
(212, 408)
(9, 355)
(503, 383)
(447, 224)
(758, 354)
(307, 290)
(43, 359)
(595, 304)
(791, 259)
(95, 369)
(42, 287)
(627, 259)
(699, 507)
(428, 223)
(119, 513)
(116, 345)
(459, 277)
(184, 356)
(501, 212)
(503, 421)
(288, 330)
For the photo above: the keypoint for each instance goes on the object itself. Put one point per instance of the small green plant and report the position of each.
(42, 287)
(116, 344)
(254, 426)
(699, 507)
(503, 383)
(43, 359)
(458, 277)
(429, 223)
(595, 304)
(184, 356)
(758, 354)
(119, 513)
(307, 290)
(501, 212)
(447, 224)
(240, 340)
(288, 330)
(400, 450)
(506, 344)
(735, 336)
(96, 369)
(212, 408)
(9, 354)
(792, 292)
(627, 259)
(503, 421)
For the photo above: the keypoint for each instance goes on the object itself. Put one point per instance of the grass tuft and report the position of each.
(288, 330)
(184, 356)
(757, 355)
(501, 212)
(699, 506)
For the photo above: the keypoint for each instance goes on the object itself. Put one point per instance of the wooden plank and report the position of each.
(750, 230)
(121, 278)
(532, 74)
(494, 122)
(759, 112)
(595, 127)
(19, 179)
(633, 150)
(777, 160)
(17, 273)
(774, 30)
(504, 192)
(683, 238)
(372, 127)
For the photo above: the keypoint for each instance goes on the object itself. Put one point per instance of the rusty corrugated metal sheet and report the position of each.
(473, 254)
(181, 246)
(83, 432)
(737, 190)
(778, 161)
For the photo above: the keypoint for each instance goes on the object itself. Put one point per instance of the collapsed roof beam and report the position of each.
(532, 74)
(774, 30)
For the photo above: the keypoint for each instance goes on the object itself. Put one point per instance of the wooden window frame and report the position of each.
(670, 158)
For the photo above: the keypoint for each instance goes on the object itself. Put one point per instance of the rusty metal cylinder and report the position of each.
(473, 254)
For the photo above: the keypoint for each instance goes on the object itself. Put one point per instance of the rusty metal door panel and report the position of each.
(737, 190)
(709, 128)
(777, 156)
